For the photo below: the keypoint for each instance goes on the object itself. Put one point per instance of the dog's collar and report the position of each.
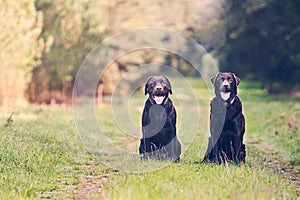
(232, 100)
(165, 101)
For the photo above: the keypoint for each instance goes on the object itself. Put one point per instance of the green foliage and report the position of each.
(70, 31)
(20, 47)
(261, 43)
(21, 25)
(43, 42)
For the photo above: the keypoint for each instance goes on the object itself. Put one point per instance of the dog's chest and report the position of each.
(157, 113)
(227, 113)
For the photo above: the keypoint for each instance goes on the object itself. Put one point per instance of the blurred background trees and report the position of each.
(43, 42)
(70, 31)
(262, 43)
(20, 48)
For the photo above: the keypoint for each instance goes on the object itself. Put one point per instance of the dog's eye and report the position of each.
(152, 84)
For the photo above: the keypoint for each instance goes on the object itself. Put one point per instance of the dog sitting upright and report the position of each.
(159, 138)
(227, 123)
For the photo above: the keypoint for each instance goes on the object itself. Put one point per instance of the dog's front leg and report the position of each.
(238, 146)
(145, 146)
(145, 143)
(242, 152)
(213, 151)
(173, 150)
(216, 129)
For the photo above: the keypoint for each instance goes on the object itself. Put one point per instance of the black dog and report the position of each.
(227, 123)
(159, 138)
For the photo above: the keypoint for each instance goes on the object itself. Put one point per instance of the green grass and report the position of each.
(42, 155)
(274, 120)
(191, 181)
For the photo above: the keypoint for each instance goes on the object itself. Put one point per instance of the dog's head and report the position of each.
(225, 84)
(158, 88)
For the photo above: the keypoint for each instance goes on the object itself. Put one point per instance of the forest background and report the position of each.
(44, 42)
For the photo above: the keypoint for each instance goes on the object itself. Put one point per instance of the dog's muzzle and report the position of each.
(158, 95)
(225, 92)
(158, 98)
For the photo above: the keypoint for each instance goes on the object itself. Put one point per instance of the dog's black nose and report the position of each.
(225, 88)
(158, 88)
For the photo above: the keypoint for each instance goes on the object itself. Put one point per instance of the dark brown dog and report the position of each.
(227, 123)
(159, 138)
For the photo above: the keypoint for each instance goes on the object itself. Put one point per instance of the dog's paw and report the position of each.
(176, 160)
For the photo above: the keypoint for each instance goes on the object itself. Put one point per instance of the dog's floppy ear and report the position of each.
(237, 79)
(146, 85)
(146, 89)
(214, 78)
(169, 86)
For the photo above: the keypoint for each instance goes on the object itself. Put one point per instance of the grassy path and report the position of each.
(42, 156)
